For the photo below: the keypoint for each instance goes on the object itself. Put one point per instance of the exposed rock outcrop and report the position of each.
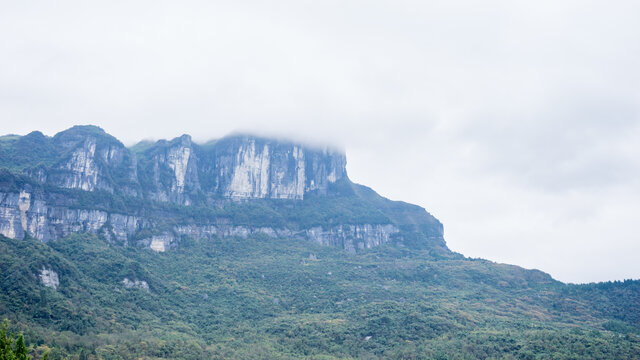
(173, 171)
(159, 243)
(49, 278)
(90, 160)
(83, 180)
(178, 171)
(140, 284)
(351, 237)
(247, 167)
(28, 213)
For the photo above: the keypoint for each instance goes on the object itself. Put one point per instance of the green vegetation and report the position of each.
(343, 205)
(142, 146)
(35, 158)
(285, 298)
(18, 153)
(267, 298)
(10, 348)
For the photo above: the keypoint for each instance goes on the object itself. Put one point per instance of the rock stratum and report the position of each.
(83, 180)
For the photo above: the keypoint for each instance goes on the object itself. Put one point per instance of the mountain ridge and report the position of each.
(85, 180)
(228, 249)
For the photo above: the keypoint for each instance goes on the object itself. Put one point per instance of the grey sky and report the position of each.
(516, 123)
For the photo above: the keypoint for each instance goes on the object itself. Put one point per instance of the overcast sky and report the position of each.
(516, 123)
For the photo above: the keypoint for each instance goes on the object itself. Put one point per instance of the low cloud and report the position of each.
(515, 123)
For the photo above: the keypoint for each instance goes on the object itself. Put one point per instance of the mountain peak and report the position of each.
(79, 133)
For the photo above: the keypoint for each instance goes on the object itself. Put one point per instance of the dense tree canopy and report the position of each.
(285, 298)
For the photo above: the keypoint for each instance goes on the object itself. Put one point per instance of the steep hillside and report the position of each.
(84, 180)
(255, 248)
(260, 297)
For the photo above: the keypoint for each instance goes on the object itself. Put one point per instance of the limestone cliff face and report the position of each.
(236, 167)
(179, 171)
(83, 180)
(14, 220)
(27, 212)
(49, 278)
(90, 160)
(350, 237)
(172, 171)
(353, 237)
(248, 167)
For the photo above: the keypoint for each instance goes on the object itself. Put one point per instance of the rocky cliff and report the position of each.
(236, 167)
(84, 180)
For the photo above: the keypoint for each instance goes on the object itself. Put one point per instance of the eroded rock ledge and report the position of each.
(83, 180)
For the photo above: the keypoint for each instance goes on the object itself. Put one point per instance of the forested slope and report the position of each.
(284, 298)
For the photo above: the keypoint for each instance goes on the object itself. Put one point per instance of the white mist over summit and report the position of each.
(514, 123)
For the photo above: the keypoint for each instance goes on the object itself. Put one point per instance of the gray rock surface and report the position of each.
(140, 284)
(26, 212)
(351, 237)
(83, 180)
(49, 278)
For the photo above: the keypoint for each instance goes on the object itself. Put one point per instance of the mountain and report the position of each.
(248, 247)
(84, 180)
